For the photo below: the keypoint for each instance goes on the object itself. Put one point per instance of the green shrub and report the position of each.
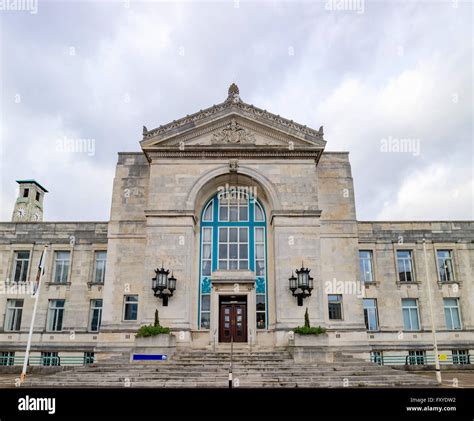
(306, 318)
(152, 330)
(304, 330)
(307, 329)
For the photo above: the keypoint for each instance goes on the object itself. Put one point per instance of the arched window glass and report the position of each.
(259, 215)
(207, 214)
(233, 237)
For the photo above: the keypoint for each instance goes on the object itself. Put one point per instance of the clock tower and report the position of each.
(29, 204)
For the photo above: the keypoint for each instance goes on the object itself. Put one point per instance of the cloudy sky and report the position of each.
(99, 70)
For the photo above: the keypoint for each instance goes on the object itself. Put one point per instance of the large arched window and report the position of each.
(233, 237)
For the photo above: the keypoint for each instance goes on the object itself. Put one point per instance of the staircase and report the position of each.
(202, 368)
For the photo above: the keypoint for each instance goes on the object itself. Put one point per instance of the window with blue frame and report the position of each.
(233, 237)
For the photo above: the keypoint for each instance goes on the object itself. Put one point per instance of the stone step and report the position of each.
(197, 368)
(283, 382)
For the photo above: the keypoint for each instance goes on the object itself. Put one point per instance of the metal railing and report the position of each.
(47, 361)
(231, 358)
(214, 337)
(420, 359)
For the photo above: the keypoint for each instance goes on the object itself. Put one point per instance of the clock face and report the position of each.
(36, 216)
(20, 212)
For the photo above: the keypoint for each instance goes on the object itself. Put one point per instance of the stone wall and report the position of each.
(82, 239)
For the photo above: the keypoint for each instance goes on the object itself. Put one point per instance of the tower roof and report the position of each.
(32, 182)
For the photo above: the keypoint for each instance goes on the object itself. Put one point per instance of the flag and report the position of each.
(40, 272)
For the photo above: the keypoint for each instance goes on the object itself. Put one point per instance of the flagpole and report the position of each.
(33, 317)
(433, 328)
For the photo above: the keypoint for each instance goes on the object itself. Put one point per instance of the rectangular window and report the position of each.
(50, 358)
(89, 358)
(61, 266)
(335, 307)
(405, 266)
(260, 251)
(99, 266)
(445, 265)
(376, 357)
(233, 210)
(13, 315)
(26, 192)
(206, 258)
(461, 356)
(233, 248)
(7, 358)
(55, 315)
(261, 311)
(95, 316)
(130, 307)
(416, 357)
(205, 311)
(38, 196)
(366, 266)
(451, 313)
(20, 269)
(370, 314)
(411, 317)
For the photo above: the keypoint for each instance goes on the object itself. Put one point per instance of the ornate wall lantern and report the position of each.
(301, 285)
(163, 285)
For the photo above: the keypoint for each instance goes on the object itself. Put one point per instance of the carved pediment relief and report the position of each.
(233, 133)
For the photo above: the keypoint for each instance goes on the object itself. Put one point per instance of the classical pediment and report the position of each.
(232, 125)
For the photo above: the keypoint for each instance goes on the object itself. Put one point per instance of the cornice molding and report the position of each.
(225, 153)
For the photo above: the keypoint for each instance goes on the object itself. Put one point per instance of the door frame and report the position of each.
(238, 283)
(233, 301)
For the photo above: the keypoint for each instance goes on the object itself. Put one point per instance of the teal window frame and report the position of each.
(261, 281)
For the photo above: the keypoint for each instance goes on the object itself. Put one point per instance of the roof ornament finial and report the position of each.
(233, 93)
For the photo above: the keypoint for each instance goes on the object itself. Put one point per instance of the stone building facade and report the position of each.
(233, 200)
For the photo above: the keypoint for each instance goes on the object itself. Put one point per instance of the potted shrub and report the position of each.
(154, 335)
(307, 335)
(310, 344)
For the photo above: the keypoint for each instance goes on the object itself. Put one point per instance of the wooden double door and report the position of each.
(233, 320)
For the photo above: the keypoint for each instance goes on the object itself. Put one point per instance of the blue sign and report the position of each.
(149, 357)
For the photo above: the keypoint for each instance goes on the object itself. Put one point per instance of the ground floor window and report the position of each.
(13, 315)
(416, 357)
(95, 316)
(451, 313)
(50, 358)
(55, 315)
(130, 307)
(7, 358)
(376, 357)
(261, 311)
(89, 358)
(370, 314)
(411, 316)
(460, 356)
(335, 307)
